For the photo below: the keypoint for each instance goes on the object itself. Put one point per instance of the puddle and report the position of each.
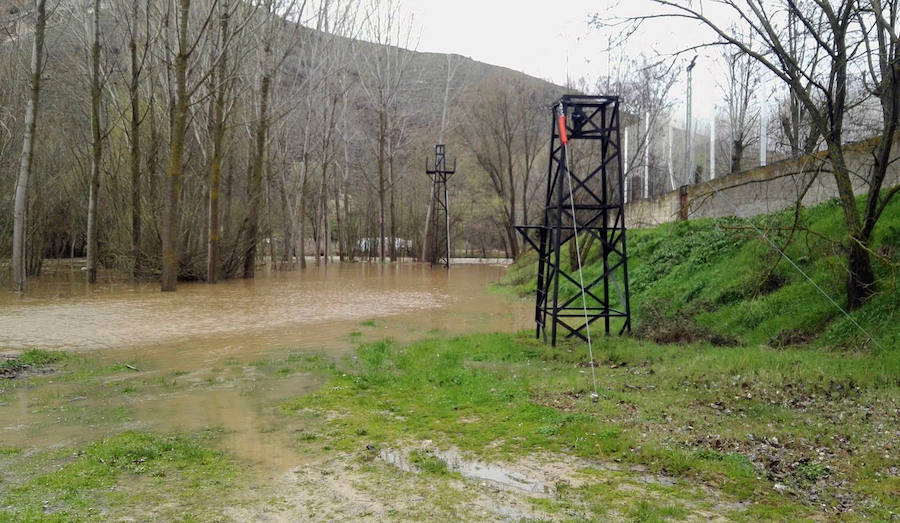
(475, 470)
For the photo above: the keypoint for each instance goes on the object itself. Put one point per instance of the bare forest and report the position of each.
(201, 139)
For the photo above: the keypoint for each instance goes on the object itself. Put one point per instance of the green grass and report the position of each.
(718, 280)
(428, 463)
(32, 358)
(130, 473)
(701, 413)
(647, 511)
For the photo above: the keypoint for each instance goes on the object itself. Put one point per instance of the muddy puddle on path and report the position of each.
(200, 354)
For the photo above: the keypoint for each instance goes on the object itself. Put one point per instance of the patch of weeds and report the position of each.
(429, 463)
(10, 368)
(293, 362)
(367, 323)
(10, 451)
(307, 437)
(811, 471)
(790, 337)
(125, 474)
(37, 357)
(548, 430)
(680, 328)
(647, 511)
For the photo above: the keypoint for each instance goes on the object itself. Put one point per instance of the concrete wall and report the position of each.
(758, 191)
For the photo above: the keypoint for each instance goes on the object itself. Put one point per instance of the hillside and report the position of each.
(719, 280)
(424, 80)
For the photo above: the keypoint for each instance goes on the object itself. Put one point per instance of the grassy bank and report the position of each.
(679, 432)
(744, 385)
(780, 434)
(720, 280)
(142, 475)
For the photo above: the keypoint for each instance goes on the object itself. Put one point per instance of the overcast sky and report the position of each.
(551, 38)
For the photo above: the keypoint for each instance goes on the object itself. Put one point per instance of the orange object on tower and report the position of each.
(564, 138)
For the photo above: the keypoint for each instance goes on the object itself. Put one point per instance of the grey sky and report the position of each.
(548, 38)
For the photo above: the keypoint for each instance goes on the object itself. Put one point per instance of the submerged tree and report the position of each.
(383, 70)
(27, 158)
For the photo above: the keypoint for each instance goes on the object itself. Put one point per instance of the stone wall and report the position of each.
(757, 191)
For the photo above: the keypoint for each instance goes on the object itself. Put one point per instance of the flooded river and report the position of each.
(209, 342)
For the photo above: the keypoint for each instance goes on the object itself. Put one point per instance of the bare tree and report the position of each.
(383, 70)
(644, 85)
(96, 83)
(739, 93)
(19, 217)
(271, 59)
(181, 47)
(847, 35)
(504, 134)
(221, 82)
(138, 53)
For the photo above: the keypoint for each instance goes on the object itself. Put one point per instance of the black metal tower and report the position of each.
(591, 202)
(440, 171)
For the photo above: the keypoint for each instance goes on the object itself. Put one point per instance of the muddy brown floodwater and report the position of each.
(210, 336)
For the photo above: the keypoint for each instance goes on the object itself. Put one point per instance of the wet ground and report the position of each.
(202, 352)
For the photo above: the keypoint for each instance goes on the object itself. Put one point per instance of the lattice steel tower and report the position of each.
(588, 151)
(440, 170)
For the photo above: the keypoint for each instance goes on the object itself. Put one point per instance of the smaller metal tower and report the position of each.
(440, 170)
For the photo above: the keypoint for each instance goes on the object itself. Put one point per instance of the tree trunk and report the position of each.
(21, 199)
(215, 165)
(511, 217)
(393, 250)
(287, 222)
(860, 276)
(225, 220)
(135, 158)
(301, 229)
(169, 277)
(96, 148)
(737, 155)
(340, 224)
(256, 179)
(382, 137)
(349, 241)
(428, 212)
(326, 223)
(322, 211)
(215, 175)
